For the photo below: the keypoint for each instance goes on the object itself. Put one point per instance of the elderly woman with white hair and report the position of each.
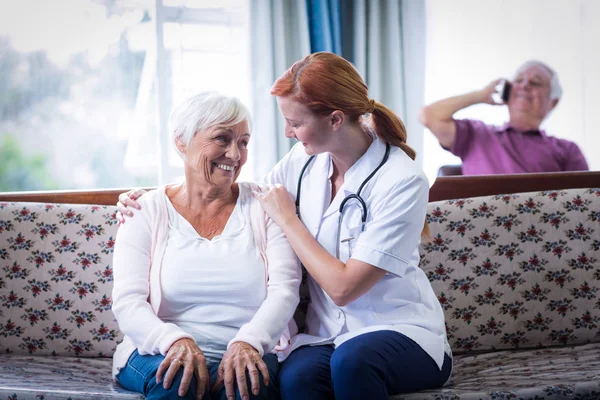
(518, 146)
(205, 281)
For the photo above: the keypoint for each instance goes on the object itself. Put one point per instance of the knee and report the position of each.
(347, 366)
(291, 381)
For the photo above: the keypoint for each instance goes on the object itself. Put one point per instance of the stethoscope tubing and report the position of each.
(361, 201)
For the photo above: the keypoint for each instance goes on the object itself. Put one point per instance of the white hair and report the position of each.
(202, 111)
(555, 88)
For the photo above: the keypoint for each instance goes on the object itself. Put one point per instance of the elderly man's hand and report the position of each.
(185, 354)
(487, 92)
(239, 358)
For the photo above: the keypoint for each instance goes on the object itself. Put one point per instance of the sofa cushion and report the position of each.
(56, 279)
(553, 374)
(53, 378)
(517, 271)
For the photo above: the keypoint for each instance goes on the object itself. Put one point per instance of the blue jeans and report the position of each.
(374, 365)
(139, 375)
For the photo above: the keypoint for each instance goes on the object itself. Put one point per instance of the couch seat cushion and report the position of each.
(542, 374)
(53, 378)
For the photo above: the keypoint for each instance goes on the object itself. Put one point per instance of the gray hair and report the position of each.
(555, 88)
(205, 110)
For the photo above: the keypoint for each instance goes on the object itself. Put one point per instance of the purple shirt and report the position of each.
(487, 149)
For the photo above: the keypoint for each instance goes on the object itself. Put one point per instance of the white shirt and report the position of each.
(137, 292)
(396, 198)
(211, 288)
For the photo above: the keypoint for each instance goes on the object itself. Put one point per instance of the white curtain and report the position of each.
(280, 37)
(385, 39)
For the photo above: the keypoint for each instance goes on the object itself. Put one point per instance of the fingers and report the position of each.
(128, 199)
(120, 218)
(264, 370)
(228, 376)
(219, 380)
(264, 190)
(136, 194)
(257, 194)
(122, 211)
(129, 202)
(186, 380)
(132, 195)
(260, 188)
(240, 374)
(238, 359)
(203, 381)
(162, 368)
(254, 378)
(171, 372)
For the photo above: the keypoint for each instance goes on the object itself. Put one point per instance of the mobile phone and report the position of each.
(505, 93)
(502, 92)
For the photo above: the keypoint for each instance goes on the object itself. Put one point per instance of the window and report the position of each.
(86, 103)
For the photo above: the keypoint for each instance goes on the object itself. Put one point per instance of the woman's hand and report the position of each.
(128, 199)
(239, 358)
(277, 202)
(185, 354)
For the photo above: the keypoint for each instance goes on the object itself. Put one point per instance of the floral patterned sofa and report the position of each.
(57, 331)
(518, 276)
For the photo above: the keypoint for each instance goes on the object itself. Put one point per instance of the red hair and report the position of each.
(325, 82)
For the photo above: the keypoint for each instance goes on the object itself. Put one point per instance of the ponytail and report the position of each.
(391, 130)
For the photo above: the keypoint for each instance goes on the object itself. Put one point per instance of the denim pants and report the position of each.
(374, 365)
(139, 375)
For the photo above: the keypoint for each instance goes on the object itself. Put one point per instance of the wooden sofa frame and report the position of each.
(444, 188)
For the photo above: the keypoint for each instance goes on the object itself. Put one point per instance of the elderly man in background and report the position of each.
(518, 146)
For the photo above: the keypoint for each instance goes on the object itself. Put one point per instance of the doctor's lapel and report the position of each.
(314, 189)
(355, 177)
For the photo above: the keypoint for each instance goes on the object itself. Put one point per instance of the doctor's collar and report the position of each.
(364, 165)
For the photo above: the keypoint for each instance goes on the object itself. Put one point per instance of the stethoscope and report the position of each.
(361, 201)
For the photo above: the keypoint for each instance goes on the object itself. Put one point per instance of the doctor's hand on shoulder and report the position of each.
(277, 202)
(126, 200)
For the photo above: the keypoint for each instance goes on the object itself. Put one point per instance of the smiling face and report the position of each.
(314, 131)
(530, 92)
(217, 154)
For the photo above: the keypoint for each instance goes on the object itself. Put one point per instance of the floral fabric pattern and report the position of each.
(517, 271)
(56, 280)
(518, 277)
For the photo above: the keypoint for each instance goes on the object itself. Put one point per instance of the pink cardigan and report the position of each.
(139, 249)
